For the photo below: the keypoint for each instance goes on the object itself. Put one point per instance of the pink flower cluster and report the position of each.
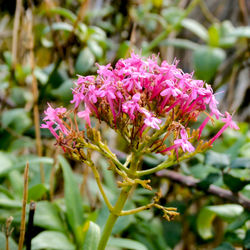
(137, 95)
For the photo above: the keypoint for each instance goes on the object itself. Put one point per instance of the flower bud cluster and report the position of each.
(139, 97)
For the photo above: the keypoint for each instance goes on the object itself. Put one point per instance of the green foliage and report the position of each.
(207, 215)
(92, 236)
(16, 119)
(52, 240)
(66, 45)
(73, 200)
(206, 62)
(47, 216)
(85, 61)
(125, 243)
(12, 243)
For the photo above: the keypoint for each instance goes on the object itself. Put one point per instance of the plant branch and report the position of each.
(161, 166)
(99, 183)
(207, 13)
(137, 210)
(106, 152)
(79, 18)
(113, 217)
(8, 231)
(15, 32)
(169, 29)
(217, 191)
(25, 197)
(35, 93)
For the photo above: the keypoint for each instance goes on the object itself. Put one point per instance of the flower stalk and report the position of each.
(152, 107)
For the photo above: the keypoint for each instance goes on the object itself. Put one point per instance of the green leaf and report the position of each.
(214, 35)
(20, 96)
(180, 43)
(246, 191)
(20, 165)
(195, 27)
(16, 119)
(246, 241)
(8, 58)
(239, 221)
(172, 14)
(64, 92)
(218, 160)
(96, 34)
(82, 32)
(5, 162)
(6, 192)
(204, 223)
(84, 61)
(9, 203)
(95, 48)
(207, 215)
(126, 243)
(210, 179)
(41, 75)
(224, 246)
(63, 12)
(243, 31)
(47, 216)
(52, 240)
(59, 26)
(16, 180)
(226, 40)
(37, 192)
(12, 244)
(73, 199)
(234, 183)
(206, 62)
(172, 232)
(226, 211)
(92, 236)
(123, 49)
(245, 150)
(240, 162)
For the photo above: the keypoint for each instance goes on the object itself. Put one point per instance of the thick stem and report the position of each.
(113, 217)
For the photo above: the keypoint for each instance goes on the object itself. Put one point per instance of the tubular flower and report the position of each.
(145, 102)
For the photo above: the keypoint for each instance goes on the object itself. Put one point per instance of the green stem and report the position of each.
(169, 29)
(166, 164)
(161, 166)
(113, 217)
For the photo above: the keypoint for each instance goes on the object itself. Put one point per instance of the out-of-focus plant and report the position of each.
(68, 38)
(151, 106)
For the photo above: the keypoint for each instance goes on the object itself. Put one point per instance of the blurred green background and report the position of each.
(45, 44)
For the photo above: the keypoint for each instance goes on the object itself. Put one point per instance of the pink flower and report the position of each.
(184, 143)
(92, 94)
(78, 96)
(213, 107)
(49, 125)
(140, 94)
(130, 107)
(105, 71)
(228, 123)
(152, 122)
(54, 117)
(85, 115)
(52, 114)
(202, 126)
